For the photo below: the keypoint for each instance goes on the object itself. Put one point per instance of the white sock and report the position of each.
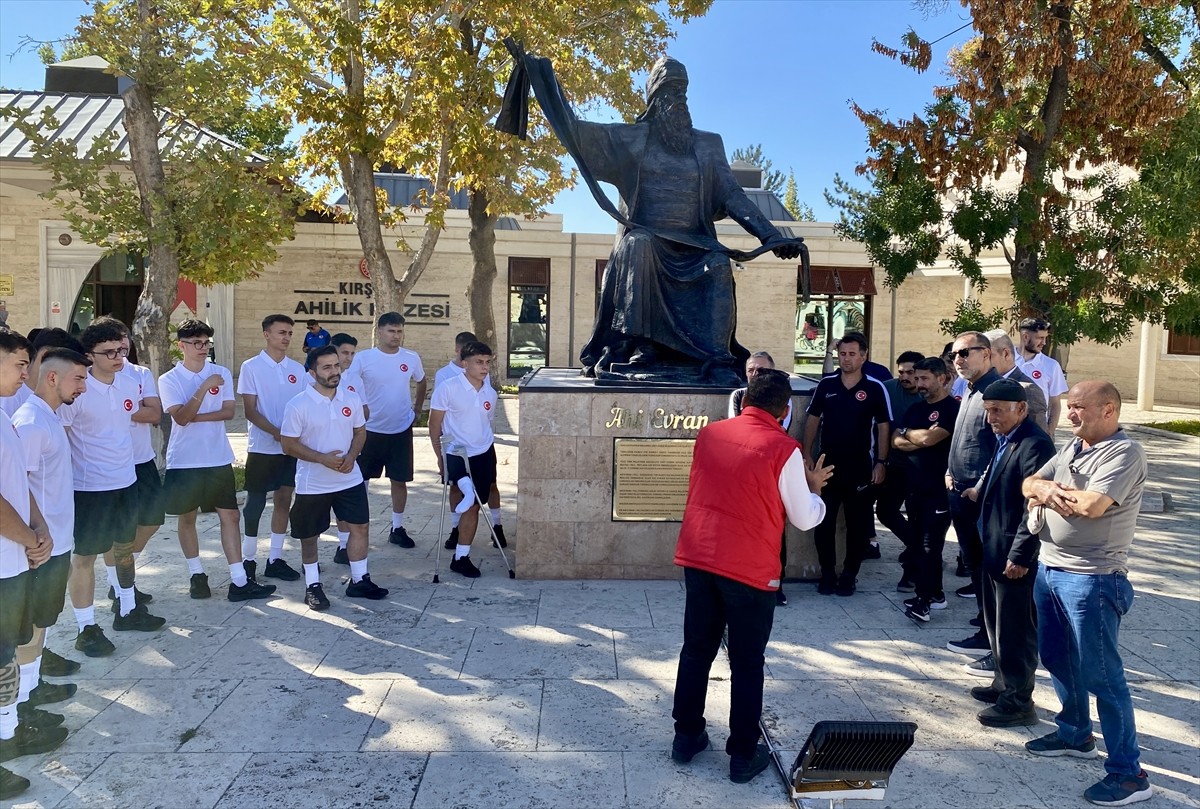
(311, 574)
(37, 663)
(249, 548)
(237, 574)
(113, 581)
(454, 518)
(194, 565)
(85, 617)
(468, 489)
(358, 569)
(461, 551)
(127, 600)
(8, 721)
(28, 681)
(276, 546)
(397, 519)
(343, 538)
(495, 515)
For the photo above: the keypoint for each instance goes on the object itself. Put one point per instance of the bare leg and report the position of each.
(29, 652)
(82, 582)
(399, 496)
(494, 497)
(357, 547)
(231, 538)
(281, 504)
(467, 524)
(123, 557)
(142, 537)
(308, 550)
(189, 542)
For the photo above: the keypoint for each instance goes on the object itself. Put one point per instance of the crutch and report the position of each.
(483, 508)
(437, 565)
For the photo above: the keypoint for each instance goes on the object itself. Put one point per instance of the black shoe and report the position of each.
(198, 586)
(961, 570)
(11, 784)
(995, 717)
(872, 551)
(464, 567)
(400, 537)
(279, 569)
(985, 693)
(827, 587)
(54, 665)
(976, 622)
(938, 603)
(974, 645)
(251, 568)
(365, 588)
(1053, 745)
(780, 598)
(452, 540)
(846, 587)
(139, 620)
(906, 585)
(500, 536)
(251, 589)
(966, 591)
(741, 770)
(918, 612)
(30, 740)
(91, 642)
(685, 748)
(138, 596)
(314, 597)
(46, 693)
(341, 557)
(29, 715)
(983, 667)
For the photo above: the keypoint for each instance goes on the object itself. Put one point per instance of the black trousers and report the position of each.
(889, 497)
(928, 520)
(1011, 622)
(713, 603)
(965, 516)
(856, 495)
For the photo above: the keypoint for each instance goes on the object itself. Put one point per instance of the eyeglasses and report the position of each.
(754, 371)
(963, 353)
(199, 345)
(112, 353)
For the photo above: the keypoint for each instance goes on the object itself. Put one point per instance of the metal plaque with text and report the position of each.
(650, 478)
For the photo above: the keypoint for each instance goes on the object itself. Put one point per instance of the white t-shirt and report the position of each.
(469, 414)
(274, 383)
(204, 443)
(451, 370)
(1046, 373)
(14, 487)
(143, 437)
(9, 404)
(350, 381)
(48, 455)
(324, 425)
(97, 425)
(385, 382)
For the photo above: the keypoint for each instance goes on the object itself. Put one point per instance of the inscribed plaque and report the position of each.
(650, 478)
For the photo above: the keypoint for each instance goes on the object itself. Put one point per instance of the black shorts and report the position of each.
(310, 512)
(16, 627)
(483, 470)
(104, 519)
(149, 492)
(391, 450)
(266, 473)
(206, 488)
(48, 590)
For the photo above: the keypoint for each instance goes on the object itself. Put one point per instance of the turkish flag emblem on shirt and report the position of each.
(128, 405)
(861, 396)
(933, 416)
(487, 405)
(350, 388)
(214, 391)
(404, 368)
(1037, 374)
(292, 378)
(346, 412)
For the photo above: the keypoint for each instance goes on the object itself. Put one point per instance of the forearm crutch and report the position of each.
(483, 510)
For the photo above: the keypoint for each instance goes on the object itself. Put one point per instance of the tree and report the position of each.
(753, 154)
(199, 207)
(1048, 105)
(800, 211)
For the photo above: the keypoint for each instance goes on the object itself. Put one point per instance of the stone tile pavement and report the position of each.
(542, 694)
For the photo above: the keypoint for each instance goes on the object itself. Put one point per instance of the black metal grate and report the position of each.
(853, 751)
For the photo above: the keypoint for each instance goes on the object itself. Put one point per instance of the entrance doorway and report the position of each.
(112, 288)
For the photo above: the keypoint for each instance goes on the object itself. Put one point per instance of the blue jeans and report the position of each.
(1079, 617)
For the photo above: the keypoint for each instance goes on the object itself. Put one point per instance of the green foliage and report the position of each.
(753, 154)
(970, 316)
(1184, 426)
(71, 49)
(800, 211)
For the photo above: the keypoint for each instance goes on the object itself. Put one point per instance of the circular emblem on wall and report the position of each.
(214, 391)
(128, 405)
(346, 412)
(1037, 374)
(861, 396)
(292, 378)
(404, 368)
(364, 269)
(933, 416)
(64, 239)
(487, 405)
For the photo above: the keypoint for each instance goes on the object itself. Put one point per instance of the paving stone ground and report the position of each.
(544, 694)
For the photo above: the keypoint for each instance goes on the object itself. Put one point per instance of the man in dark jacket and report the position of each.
(1010, 554)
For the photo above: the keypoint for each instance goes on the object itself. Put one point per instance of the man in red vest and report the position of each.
(747, 476)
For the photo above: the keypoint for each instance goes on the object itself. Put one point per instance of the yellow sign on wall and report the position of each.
(7, 286)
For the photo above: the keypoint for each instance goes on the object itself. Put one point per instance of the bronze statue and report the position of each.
(667, 308)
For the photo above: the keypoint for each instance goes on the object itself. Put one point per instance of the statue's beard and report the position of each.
(674, 127)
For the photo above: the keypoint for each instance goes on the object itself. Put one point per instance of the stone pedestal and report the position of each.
(565, 519)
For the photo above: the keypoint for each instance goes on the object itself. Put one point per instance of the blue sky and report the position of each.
(776, 72)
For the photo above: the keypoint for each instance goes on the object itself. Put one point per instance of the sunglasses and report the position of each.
(963, 353)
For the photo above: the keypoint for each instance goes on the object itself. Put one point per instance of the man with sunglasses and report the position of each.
(98, 426)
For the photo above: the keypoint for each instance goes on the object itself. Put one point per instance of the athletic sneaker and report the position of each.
(251, 568)
(314, 597)
(741, 769)
(1052, 746)
(934, 603)
(365, 588)
(400, 537)
(91, 642)
(55, 665)
(976, 644)
(780, 598)
(966, 591)
(11, 784)
(464, 567)
(139, 619)
(872, 552)
(138, 596)
(994, 716)
(45, 693)
(251, 589)
(1120, 790)
(500, 536)
(684, 748)
(918, 612)
(198, 586)
(905, 585)
(30, 740)
(976, 622)
(279, 569)
(341, 557)
(846, 587)
(30, 715)
(983, 667)
(827, 587)
(451, 541)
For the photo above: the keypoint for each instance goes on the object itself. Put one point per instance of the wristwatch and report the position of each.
(902, 431)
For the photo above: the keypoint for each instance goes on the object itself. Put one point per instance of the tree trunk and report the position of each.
(359, 176)
(482, 240)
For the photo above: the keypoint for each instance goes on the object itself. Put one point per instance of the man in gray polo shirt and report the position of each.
(1089, 495)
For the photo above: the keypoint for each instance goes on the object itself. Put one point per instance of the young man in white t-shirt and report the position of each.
(386, 373)
(1042, 369)
(460, 416)
(347, 347)
(324, 429)
(198, 395)
(106, 507)
(25, 543)
(267, 383)
(62, 377)
(449, 371)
